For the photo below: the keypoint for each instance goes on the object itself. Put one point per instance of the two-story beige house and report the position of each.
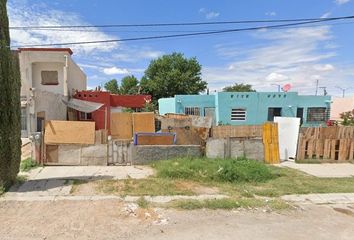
(48, 75)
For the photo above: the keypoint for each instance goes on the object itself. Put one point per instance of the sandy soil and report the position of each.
(111, 220)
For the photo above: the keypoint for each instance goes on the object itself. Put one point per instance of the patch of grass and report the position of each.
(27, 165)
(217, 170)
(142, 187)
(228, 203)
(75, 184)
(290, 181)
(142, 203)
(2, 190)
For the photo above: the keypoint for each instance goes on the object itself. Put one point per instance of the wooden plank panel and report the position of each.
(51, 153)
(351, 151)
(144, 122)
(343, 149)
(121, 125)
(69, 132)
(333, 149)
(327, 149)
(155, 140)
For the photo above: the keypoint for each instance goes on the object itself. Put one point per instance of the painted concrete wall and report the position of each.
(201, 101)
(340, 105)
(167, 105)
(255, 103)
(31, 65)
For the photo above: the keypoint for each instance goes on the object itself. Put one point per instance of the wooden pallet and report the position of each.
(271, 143)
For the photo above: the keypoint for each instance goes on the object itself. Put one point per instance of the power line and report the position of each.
(184, 23)
(317, 24)
(186, 34)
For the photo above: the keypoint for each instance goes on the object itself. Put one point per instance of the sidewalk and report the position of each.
(323, 198)
(53, 182)
(324, 170)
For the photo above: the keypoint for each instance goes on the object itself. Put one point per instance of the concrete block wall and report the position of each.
(143, 154)
(235, 147)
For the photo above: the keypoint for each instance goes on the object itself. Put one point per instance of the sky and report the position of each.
(263, 58)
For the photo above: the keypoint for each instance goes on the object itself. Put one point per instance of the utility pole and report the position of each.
(343, 90)
(317, 81)
(324, 91)
(278, 85)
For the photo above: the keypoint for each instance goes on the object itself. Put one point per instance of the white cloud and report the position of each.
(208, 13)
(272, 14)
(21, 13)
(326, 15)
(115, 71)
(323, 67)
(297, 56)
(341, 2)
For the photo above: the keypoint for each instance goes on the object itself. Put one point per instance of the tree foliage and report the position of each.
(239, 87)
(347, 118)
(112, 86)
(10, 107)
(172, 74)
(129, 86)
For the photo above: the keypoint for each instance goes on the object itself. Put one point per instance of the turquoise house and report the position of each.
(250, 108)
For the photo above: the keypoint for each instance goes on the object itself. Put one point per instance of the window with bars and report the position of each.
(238, 114)
(192, 111)
(23, 119)
(316, 114)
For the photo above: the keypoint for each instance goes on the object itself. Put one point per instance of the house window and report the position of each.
(316, 114)
(273, 112)
(238, 114)
(85, 116)
(192, 111)
(49, 77)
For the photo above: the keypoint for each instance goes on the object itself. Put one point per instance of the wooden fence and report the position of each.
(331, 143)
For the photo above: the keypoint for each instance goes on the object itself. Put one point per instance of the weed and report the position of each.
(27, 165)
(229, 203)
(142, 202)
(220, 170)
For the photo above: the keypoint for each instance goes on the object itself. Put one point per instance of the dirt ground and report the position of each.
(111, 219)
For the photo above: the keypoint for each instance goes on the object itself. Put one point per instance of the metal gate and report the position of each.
(119, 152)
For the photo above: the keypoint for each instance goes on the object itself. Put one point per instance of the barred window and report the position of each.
(49, 77)
(23, 119)
(238, 114)
(192, 111)
(85, 116)
(316, 114)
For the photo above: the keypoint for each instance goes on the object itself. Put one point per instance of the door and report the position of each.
(210, 112)
(273, 112)
(300, 114)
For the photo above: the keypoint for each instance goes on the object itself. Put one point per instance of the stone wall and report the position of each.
(235, 147)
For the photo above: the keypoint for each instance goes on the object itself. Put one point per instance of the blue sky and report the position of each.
(298, 56)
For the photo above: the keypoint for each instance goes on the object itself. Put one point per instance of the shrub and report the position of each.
(27, 165)
(220, 170)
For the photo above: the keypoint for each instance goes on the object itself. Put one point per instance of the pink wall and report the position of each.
(340, 105)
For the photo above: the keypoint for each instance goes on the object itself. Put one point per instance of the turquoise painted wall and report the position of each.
(167, 105)
(255, 103)
(201, 101)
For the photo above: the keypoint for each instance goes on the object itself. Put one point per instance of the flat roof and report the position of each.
(47, 50)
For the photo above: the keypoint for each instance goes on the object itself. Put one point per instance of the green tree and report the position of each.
(129, 85)
(239, 87)
(10, 107)
(347, 118)
(112, 86)
(172, 74)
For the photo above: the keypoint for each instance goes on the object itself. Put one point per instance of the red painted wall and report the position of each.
(110, 100)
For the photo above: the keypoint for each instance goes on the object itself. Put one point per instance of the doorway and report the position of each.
(300, 114)
(273, 112)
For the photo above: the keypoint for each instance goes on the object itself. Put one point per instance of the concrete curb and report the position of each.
(153, 199)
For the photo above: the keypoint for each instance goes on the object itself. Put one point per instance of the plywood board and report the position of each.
(155, 139)
(144, 122)
(121, 125)
(186, 136)
(69, 132)
(237, 131)
(51, 154)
